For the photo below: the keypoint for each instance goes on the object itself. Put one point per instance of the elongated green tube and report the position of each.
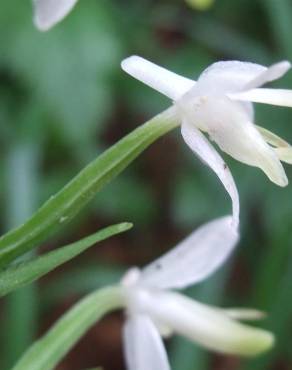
(45, 353)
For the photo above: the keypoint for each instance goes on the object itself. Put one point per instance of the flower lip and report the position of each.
(213, 328)
(206, 325)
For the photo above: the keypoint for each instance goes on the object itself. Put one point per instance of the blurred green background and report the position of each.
(64, 99)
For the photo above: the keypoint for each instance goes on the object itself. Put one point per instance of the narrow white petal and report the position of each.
(49, 12)
(166, 82)
(208, 326)
(284, 154)
(249, 314)
(280, 97)
(143, 346)
(282, 148)
(195, 258)
(272, 73)
(272, 138)
(205, 151)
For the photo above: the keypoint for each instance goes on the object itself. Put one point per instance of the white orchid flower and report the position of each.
(219, 104)
(154, 311)
(47, 13)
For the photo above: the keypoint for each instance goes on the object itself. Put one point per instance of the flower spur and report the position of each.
(153, 310)
(220, 105)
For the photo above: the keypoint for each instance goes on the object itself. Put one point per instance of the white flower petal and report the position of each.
(131, 277)
(272, 73)
(230, 75)
(279, 97)
(166, 82)
(143, 346)
(284, 154)
(49, 12)
(244, 314)
(205, 151)
(229, 126)
(208, 326)
(195, 258)
(165, 331)
(282, 148)
(272, 138)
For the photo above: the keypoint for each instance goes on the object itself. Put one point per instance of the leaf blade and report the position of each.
(25, 273)
(62, 207)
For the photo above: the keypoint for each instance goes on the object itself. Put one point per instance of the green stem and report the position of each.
(63, 206)
(53, 346)
(20, 307)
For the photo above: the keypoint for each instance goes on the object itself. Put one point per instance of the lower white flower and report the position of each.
(219, 104)
(49, 12)
(154, 311)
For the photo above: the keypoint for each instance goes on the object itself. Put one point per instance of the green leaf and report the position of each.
(26, 272)
(280, 18)
(21, 308)
(45, 353)
(63, 206)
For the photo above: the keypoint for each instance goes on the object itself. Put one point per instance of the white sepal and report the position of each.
(166, 82)
(280, 97)
(49, 12)
(208, 326)
(205, 151)
(284, 154)
(272, 138)
(272, 73)
(248, 314)
(143, 346)
(195, 258)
